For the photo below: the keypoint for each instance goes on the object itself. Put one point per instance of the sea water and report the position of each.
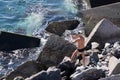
(30, 17)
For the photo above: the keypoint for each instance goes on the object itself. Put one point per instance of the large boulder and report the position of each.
(12, 41)
(105, 31)
(59, 28)
(96, 3)
(92, 16)
(116, 77)
(25, 70)
(51, 74)
(89, 74)
(54, 51)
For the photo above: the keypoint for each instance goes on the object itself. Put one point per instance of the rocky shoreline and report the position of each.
(54, 63)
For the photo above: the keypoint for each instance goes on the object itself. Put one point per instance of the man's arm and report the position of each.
(75, 40)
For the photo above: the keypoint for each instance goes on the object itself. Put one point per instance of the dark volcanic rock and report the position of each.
(51, 74)
(116, 77)
(54, 51)
(59, 28)
(90, 74)
(25, 70)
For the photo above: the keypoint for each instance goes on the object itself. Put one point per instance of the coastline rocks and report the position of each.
(89, 74)
(51, 74)
(104, 32)
(59, 28)
(19, 78)
(25, 70)
(39, 76)
(114, 66)
(54, 51)
(67, 68)
(116, 77)
(92, 16)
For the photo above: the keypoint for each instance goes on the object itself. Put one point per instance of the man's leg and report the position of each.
(74, 55)
(83, 58)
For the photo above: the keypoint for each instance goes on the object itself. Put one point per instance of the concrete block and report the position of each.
(92, 16)
(12, 41)
(104, 31)
(96, 3)
(114, 66)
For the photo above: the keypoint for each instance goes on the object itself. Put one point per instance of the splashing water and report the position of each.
(68, 4)
(30, 17)
(30, 23)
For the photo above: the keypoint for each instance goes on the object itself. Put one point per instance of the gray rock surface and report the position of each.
(19, 78)
(116, 77)
(89, 74)
(92, 16)
(25, 70)
(55, 49)
(51, 74)
(105, 31)
(38, 76)
(114, 66)
(12, 41)
(59, 28)
(67, 68)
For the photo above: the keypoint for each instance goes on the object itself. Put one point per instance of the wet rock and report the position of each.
(89, 74)
(25, 70)
(96, 3)
(114, 66)
(59, 28)
(54, 51)
(51, 74)
(116, 77)
(102, 35)
(92, 16)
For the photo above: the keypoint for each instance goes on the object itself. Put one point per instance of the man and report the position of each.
(79, 41)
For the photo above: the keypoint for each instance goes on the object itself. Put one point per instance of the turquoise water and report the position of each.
(29, 17)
